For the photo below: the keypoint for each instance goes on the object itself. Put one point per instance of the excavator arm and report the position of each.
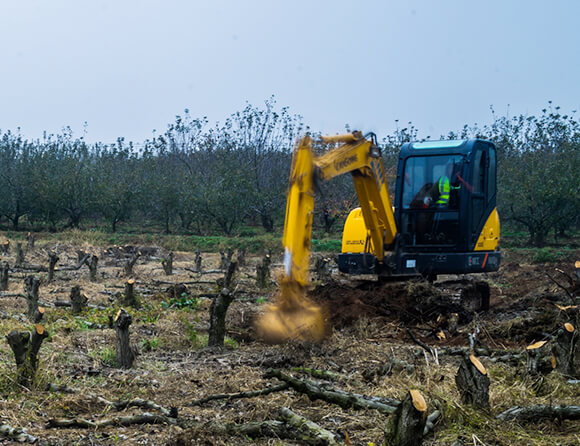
(294, 316)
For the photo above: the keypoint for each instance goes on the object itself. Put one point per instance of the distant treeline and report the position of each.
(202, 179)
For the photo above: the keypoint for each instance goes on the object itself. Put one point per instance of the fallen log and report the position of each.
(307, 430)
(145, 418)
(17, 434)
(138, 402)
(231, 396)
(254, 429)
(539, 412)
(339, 397)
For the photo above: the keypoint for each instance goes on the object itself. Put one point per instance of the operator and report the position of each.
(442, 189)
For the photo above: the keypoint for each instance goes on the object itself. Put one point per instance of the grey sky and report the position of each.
(128, 67)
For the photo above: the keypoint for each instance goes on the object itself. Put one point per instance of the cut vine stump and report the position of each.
(52, 261)
(128, 268)
(263, 272)
(219, 308)
(78, 300)
(25, 346)
(167, 264)
(4, 273)
(92, 261)
(19, 255)
(472, 382)
(405, 427)
(197, 261)
(130, 297)
(538, 358)
(31, 286)
(566, 350)
(125, 352)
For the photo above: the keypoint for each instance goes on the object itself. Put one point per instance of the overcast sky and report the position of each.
(127, 67)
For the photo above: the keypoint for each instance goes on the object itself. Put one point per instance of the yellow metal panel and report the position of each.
(489, 238)
(355, 232)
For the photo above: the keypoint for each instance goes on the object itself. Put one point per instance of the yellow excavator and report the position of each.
(444, 220)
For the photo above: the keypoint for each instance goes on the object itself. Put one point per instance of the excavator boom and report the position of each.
(293, 316)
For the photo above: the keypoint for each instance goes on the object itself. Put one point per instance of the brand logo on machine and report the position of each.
(355, 242)
(338, 165)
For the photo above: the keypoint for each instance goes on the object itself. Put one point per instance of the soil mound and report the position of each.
(408, 301)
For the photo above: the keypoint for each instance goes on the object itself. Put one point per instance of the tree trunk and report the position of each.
(219, 308)
(4, 273)
(125, 353)
(77, 299)
(31, 285)
(25, 346)
(6, 247)
(405, 427)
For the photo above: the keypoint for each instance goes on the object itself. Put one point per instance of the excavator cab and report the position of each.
(445, 212)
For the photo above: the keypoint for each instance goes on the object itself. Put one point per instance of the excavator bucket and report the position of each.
(292, 317)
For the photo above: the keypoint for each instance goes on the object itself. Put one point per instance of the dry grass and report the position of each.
(173, 367)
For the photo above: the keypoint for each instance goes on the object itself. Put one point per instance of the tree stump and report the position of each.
(197, 261)
(25, 346)
(130, 297)
(167, 264)
(78, 300)
(219, 308)
(30, 241)
(263, 272)
(31, 286)
(472, 382)
(6, 247)
(566, 351)
(52, 261)
(19, 255)
(125, 353)
(538, 358)
(128, 268)
(405, 426)
(92, 262)
(4, 272)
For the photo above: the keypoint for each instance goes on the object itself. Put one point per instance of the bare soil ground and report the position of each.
(371, 323)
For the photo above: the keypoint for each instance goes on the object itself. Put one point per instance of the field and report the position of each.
(375, 347)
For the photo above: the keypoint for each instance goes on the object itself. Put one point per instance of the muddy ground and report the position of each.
(371, 323)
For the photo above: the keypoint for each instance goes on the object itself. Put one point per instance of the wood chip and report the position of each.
(569, 327)
(536, 345)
